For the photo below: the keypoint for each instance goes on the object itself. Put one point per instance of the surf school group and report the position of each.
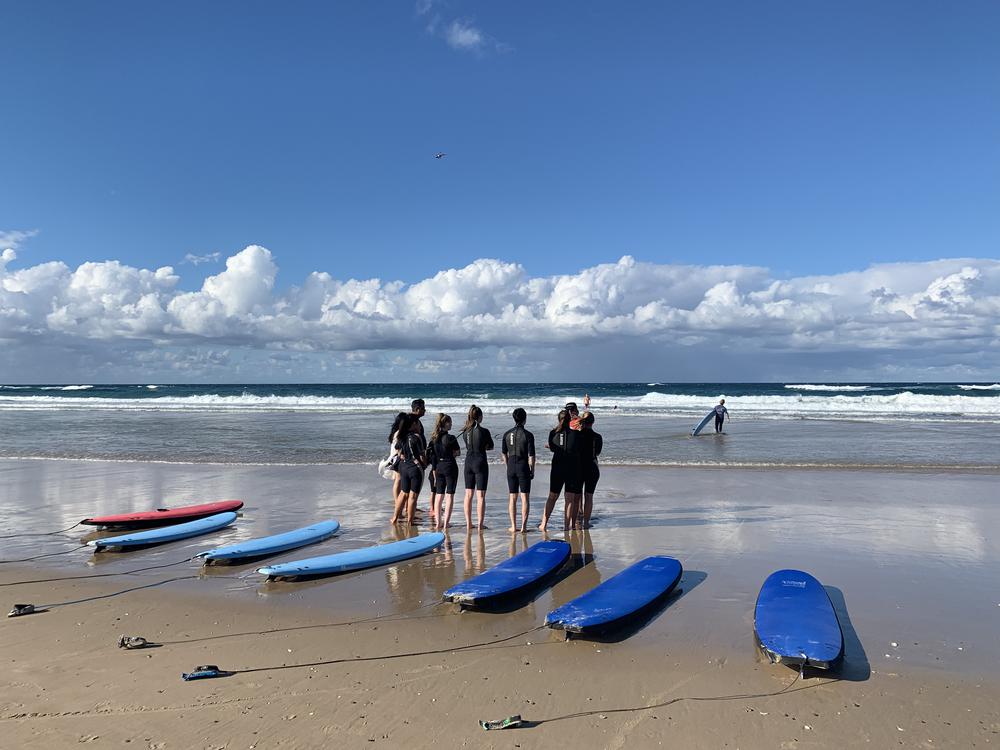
(573, 442)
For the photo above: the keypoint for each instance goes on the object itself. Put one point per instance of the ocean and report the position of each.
(884, 425)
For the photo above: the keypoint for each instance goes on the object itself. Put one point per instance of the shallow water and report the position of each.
(283, 437)
(912, 558)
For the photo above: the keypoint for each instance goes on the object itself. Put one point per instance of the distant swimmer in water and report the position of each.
(721, 412)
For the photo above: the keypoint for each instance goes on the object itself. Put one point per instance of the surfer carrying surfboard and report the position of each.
(721, 412)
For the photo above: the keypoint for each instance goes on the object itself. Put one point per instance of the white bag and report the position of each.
(387, 466)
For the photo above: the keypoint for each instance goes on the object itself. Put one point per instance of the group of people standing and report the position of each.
(574, 444)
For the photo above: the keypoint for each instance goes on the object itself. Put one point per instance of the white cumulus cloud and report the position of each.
(493, 317)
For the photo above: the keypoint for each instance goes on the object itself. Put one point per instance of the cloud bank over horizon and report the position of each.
(492, 320)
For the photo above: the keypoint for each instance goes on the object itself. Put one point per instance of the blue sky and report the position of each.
(805, 138)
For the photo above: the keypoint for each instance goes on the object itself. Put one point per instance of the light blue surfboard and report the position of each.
(512, 576)
(701, 425)
(165, 534)
(272, 545)
(795, 622)
(618, 599)
(357, 559)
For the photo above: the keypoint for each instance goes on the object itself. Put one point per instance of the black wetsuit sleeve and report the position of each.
(488, 439)
(503, 442)
(530, 440)
(598, 444)
(551, 441)
(453, 445)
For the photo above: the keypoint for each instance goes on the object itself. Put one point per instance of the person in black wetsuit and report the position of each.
(557, 474)
(590, 444)
(411, 469)
(573, 470)
(477, 471)
(394, 448)
(721, 412)
(417, 410)
(442, 453)
(573, 418)
(518, 450)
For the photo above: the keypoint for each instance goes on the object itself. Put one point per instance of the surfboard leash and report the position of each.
(47, 554)
(389, 617)
(383, 657)
(42, 533)
(678, 699)
(97, 575)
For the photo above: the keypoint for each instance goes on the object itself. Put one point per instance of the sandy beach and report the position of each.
(910, 560)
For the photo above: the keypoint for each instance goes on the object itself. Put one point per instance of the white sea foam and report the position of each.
(819, 387)
(994, 387)
(76, 388)
(905, 405)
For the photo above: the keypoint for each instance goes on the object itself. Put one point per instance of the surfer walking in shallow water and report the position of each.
(721, 412)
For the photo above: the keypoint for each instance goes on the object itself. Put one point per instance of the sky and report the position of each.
(731, 191)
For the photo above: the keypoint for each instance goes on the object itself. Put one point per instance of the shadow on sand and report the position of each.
(855, 666)
(689, 580)
(573, 563)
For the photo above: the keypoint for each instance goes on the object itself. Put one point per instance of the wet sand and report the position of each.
(911, 561)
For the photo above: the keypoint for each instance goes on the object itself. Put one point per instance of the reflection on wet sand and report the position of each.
(477, 548)
(859, 528)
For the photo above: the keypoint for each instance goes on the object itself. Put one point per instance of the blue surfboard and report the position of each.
(701, 425)
(357, 559)
(795, 623)
(165, 534)
(272, 545)
(512, 576)
(619, 598)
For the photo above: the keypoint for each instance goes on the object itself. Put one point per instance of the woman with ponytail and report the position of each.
(477, 471)
(443, 452)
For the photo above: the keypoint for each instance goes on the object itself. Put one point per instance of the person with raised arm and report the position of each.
(590, 443)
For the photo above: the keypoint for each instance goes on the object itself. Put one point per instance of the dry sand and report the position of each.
(911, 561)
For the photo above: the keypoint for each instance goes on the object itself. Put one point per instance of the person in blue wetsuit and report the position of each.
(721, 412)
(518, 450)
(477, 471)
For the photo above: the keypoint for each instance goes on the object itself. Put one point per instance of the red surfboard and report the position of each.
(164, 516)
